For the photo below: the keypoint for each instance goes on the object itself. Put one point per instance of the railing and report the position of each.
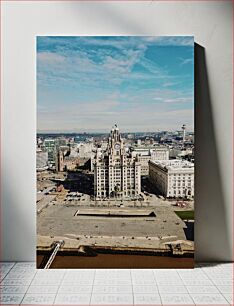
(57, 245)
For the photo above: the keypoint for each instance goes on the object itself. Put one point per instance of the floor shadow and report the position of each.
(18, 222)
(212, 241)
(148, 187)
(79, 181)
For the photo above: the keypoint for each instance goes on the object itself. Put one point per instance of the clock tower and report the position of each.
(115, 142)
(116, 173)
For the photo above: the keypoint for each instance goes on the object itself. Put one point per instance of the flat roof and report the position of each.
(173, 164)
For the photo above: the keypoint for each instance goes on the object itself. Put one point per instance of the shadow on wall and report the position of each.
(211, 227)
(18, 226)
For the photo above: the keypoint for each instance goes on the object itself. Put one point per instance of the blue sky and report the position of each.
(87, 83)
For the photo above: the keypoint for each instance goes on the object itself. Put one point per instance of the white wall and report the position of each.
(211, 24)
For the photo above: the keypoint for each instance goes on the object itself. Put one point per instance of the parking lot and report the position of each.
(78, 191)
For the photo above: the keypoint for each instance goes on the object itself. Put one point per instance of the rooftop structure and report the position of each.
(174, 164)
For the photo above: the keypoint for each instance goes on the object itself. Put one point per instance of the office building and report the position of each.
(173, 178)
(146, 153)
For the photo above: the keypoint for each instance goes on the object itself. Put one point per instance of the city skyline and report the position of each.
(86, 84)
(54, 132)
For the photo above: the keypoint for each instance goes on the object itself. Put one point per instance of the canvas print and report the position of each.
(115, 152)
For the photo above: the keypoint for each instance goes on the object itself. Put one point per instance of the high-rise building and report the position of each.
(50, 147)
(116, 173)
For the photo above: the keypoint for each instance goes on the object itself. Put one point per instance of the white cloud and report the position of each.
(95, 76)
(170, 40)
(49, 58)
(185, 61)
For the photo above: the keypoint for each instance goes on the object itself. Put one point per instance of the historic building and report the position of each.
(173, 178)
(146, 153)
(116, 173)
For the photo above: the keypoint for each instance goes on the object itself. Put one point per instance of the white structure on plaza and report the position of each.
(145, 154)
(116, 173)
(173, 178)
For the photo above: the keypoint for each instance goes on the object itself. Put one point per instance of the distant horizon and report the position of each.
(87, 83)
(107, 132)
